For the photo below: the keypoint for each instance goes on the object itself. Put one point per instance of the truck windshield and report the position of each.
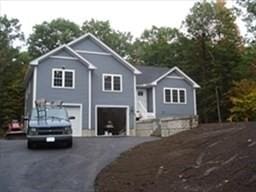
(51, 113)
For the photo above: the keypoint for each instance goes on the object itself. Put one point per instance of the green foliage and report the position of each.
(156, 46)
(12, 70)
(119, 41)
(217, 54)
(243, 99)
(49, 35)
(249, 16)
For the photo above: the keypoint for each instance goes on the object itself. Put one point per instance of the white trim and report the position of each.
(113, 106)
(174, 77)
(195, 105)
(37, 60)
(63, 78)
(89, 99)
(178, 95)
(195, 85)
(135, 101)
(63, 57)
(91, 66)
(136, 71)
(92, 52)
(112, 75)
(81, 112)
(34, 86)
(154, 100)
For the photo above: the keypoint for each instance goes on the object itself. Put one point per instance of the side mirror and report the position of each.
(71, 117)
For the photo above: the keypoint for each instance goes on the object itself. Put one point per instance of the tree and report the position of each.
(49, 35)
(12, 70)
(157, 46)
(249, 17)
(243, 98)
(217, 53)
(118, 41)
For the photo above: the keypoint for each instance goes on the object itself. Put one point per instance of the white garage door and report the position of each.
(76, 123)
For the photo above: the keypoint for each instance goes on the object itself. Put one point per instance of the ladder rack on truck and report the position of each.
(42, 104)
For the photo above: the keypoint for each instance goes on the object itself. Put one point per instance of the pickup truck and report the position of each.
(51, 125)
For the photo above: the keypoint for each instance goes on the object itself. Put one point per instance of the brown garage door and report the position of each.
(117, 116)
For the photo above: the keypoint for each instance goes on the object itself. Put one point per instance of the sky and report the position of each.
(127, 16)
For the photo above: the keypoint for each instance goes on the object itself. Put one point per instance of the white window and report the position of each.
(63, 78)
(140, 93)
(175, 95)
(112, 82)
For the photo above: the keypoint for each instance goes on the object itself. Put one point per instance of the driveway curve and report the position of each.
(59, 169)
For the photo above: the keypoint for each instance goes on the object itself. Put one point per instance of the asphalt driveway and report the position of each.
(59, 169)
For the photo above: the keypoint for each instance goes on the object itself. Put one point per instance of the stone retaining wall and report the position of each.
(165, 127)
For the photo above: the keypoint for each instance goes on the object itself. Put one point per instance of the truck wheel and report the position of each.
(69, 143)
(30, 145)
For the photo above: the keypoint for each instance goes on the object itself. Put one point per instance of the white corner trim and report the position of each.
(178, 95)
(135, 101)
(89, 99)
(113, 106)
(154, 100)
(63, 78)
(195, 104)
(135, 70)
(81, 112)
(92, 52)
(34, 86)
(112, 82)
(63, 57)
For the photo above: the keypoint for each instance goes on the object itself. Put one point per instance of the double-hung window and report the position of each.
(63, 78)
(175, 95)
(112, 82)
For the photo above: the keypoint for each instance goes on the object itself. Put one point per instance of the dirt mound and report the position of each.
(210, 158)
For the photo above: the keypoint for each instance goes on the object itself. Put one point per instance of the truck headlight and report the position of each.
(68, 130)
(32, 131)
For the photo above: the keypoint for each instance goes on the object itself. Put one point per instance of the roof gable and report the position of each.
(67, 50)
(181, 73)
(107, 49)
(152, 75)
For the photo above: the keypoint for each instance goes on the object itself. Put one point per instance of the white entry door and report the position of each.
(76, 123)
(142, 100)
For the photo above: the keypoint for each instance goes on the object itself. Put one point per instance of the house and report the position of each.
(99, 87)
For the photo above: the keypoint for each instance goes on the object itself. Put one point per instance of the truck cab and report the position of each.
(49, 123)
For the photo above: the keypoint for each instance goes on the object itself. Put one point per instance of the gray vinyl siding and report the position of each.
(174, 73)
(107, 64)
(87, 45)
(63, 53)
(78, 95)
(165, 110)
(149, 100)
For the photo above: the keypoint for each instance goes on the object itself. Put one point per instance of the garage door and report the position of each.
(114, 116)
(76, 123)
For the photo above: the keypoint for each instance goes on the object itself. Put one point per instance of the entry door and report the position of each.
(76, 123)
(142, 100)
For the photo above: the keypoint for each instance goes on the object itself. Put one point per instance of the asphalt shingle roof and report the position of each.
(150, 73)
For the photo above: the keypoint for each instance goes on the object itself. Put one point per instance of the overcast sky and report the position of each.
(133, 16)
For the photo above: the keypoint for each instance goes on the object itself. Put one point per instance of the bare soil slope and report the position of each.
(210, 158)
